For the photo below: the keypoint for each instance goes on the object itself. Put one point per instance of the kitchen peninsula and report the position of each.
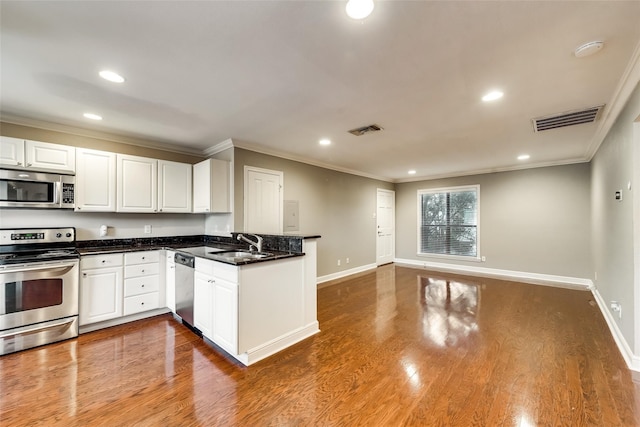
(249, 308)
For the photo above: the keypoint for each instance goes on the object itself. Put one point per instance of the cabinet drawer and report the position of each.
(144, 257)
(139, 303)
(217, 269)
(141, 285)
(89, 262)
(141, 270)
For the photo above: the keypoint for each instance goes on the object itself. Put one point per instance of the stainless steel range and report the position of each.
(39, 287)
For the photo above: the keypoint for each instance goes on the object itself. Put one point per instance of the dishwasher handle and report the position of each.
(186, 260)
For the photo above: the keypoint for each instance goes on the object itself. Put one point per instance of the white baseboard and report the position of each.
(122, 320)
(520, 276)
(633, 361)
(272, 347)
(345, 273)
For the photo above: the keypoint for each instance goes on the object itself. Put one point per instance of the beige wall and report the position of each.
(613, 253)
(336, 205)
(105, 142)
(532, 221)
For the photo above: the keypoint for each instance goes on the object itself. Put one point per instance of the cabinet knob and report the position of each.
(142, 303)
(84, 274)
(104, 260)
(28, 164)
(143, 286)
(143, 271)
(79, 207)
(142, 257)
(19, 163)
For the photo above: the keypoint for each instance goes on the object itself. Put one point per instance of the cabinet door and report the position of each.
(203, 304)
(54, 157)
(137, 184)
(100, 295)
(211, 186)
(11, 151)
(202, 187)
(174, 186)
(95, 181)
(225, 315)
(170, 280)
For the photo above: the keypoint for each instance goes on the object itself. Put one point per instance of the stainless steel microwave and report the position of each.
(23, 189)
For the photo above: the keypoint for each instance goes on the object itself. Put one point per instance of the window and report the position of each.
(448, 221)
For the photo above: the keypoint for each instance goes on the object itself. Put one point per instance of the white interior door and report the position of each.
(386, 240)
(263, 201)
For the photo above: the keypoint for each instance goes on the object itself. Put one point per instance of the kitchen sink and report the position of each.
(241, 255)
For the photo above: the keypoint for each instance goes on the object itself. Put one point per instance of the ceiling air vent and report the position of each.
(365, 129)
(569, 118)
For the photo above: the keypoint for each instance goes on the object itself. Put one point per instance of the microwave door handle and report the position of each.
(23, 268)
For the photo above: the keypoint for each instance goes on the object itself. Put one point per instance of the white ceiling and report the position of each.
(279, 75)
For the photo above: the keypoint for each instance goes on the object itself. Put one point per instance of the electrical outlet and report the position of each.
(484, 258)
(338, 263)
(616, 308)
(147, 229)
(347, 261)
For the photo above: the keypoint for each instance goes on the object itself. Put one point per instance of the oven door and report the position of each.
(35, 293)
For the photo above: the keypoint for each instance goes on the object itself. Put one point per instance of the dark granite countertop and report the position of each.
(280, 247)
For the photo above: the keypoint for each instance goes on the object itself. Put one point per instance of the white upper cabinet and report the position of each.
(11, 152)
(174, 186)
(137, 184)
(95, 181)
(25, 154)
(211, 186)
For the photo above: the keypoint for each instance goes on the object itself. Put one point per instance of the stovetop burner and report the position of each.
(36, 245)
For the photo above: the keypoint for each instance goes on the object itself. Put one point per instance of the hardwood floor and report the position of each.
(398, 346)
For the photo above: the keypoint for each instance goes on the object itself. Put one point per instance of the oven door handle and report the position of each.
(29, 269)
(36, 329)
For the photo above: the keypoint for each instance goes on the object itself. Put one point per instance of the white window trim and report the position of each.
(478, 257)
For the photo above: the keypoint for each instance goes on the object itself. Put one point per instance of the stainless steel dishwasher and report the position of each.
(184, 287)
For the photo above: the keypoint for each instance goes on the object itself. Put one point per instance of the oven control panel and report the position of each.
(18, 236)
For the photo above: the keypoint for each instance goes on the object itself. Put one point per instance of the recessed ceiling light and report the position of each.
(411, 172)
(325, 141)
(92, 116)
(359, 9)
(492, 96)
(111, 76)
(524, 157)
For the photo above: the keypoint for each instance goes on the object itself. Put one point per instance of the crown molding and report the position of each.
(105, 136)
(288, 156)
(628, 82)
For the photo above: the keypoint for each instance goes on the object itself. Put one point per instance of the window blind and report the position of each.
(449, 221)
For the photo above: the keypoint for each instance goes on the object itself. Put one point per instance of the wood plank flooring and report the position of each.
(398, 346)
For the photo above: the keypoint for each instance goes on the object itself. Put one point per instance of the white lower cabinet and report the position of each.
(170, 279)
(203, 303)
(141, 281)
(216, 303)
(225, 315)
(117, 285)
(100, 288)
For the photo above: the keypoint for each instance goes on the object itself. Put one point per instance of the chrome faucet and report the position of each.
(257, 244)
